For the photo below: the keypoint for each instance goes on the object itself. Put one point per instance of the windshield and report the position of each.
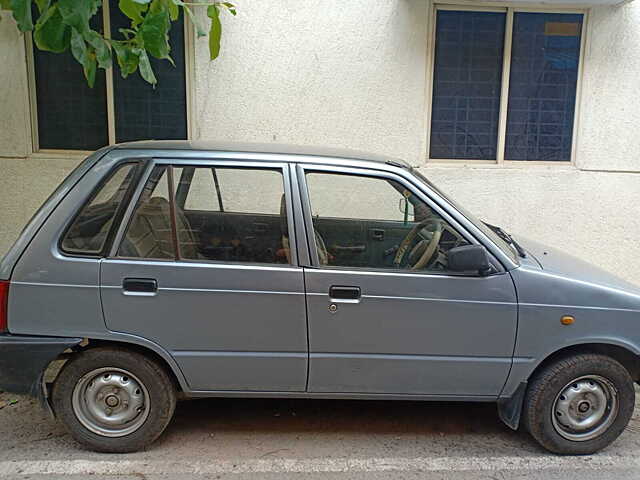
(503, 245)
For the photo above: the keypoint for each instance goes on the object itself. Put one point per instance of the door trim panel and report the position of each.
(279, 370)
(407, 374)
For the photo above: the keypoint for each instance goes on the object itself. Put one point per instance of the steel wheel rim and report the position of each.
(585, 408)
(111, 402)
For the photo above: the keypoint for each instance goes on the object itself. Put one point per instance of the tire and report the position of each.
(579, 405)
(114, 400)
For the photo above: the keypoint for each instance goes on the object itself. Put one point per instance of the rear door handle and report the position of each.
(140, 286)
(339, 293)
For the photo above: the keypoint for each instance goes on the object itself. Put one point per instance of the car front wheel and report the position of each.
(114, 400)
(580, 404)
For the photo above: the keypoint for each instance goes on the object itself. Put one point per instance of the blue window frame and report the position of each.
(467, 82)
(72, 116)
(542, 88)
(467, 85)
(144, 112)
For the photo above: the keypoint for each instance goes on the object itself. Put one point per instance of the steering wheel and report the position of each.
(428, 253)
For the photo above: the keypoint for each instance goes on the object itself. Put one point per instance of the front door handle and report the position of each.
(341, 293)
(140, 286)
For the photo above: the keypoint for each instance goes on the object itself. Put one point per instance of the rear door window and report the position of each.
(222, 214)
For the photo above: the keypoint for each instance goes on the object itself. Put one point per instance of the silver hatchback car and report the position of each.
(166, 270)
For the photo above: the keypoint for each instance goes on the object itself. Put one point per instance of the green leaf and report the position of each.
(22, 14)
(78, 47)
(127, 33)
(89, 68)
(43, 5)
(76, 13)
(51, 34)
(127, 59)
(145, 68)
(216, 31)
(101, 46)
(157, 6)
(133, 10)
(201, 32)
(231, 7)
(154, 31)
(174, 10)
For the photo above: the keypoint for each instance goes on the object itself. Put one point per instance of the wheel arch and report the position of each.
(172, 370)
(161, 357)
(629, 359)
(510, 408)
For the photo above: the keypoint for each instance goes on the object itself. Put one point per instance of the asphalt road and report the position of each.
(310, 439)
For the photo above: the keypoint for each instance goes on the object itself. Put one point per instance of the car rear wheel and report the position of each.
(114, 400)
(580, 404)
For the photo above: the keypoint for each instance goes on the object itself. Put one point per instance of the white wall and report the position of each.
(24, 184)
(15, 134)
(348, 74)
(353, 75)
(610, 110)
(590, 214)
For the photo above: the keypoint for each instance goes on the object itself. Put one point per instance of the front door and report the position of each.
(385, 315)
(206, 269)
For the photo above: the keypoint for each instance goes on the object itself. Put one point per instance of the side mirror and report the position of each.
(469, 258)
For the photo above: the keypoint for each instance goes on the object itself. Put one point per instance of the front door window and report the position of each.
(374, 222)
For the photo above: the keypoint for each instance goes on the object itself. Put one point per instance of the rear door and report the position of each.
(227, 306)
(393, 328)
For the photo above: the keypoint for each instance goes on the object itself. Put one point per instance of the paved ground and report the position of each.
(275, 439)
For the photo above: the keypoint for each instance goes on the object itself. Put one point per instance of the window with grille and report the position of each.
(72, 116)
(504, 84)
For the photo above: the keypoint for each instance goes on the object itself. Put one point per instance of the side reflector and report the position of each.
(4, 300)
(567, 320)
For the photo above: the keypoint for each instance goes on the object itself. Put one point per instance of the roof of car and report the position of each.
(271, 148)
